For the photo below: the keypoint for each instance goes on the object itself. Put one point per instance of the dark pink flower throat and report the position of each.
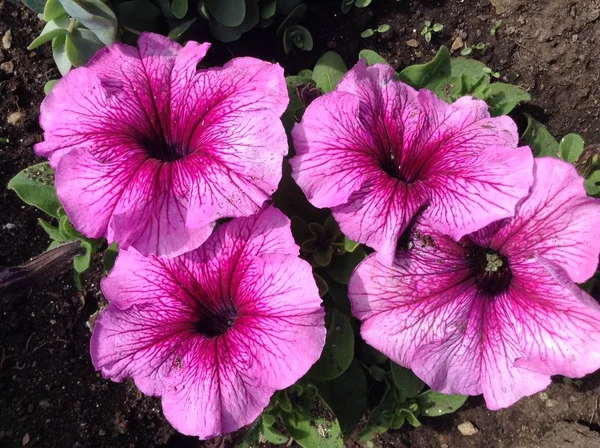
(214, 321)
(490, 270)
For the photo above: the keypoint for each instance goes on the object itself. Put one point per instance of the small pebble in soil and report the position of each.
(467, 429)
(412, 43)
(15, 118)
(26, 439)
(7, 40)
(7, 67)
(9, 226)
(543, 396)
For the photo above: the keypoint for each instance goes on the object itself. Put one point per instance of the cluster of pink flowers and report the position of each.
(151, 152)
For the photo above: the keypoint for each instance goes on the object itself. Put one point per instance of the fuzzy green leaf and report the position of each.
(313, 425)
(502, 98)
(328, 71)
(35, 186)
(430, 75)
(571, 147)
(371, 57)
(53, 10)
(110, 256)
(347, 396)
(434, 404)
(407, 383)
(339, 348)
(539, 139)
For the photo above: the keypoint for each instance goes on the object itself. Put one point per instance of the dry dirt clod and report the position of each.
(15, 118)
(7, 67)
(457, 44)
(467, 429)
(7, 40)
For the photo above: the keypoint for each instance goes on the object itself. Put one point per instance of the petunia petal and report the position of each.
(87, 188)
(558, 221)
(379, 212)
(555, 321)
(475, 173)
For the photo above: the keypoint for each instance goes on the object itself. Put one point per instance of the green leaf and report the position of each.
(502, 98)
(53, 232)
(383, 28)
(110, 256)
(59, 53)
(284, 401)
(176, 32)
(430, 75)
(347, 6)
(406, 381)
(539, 139)
(36, 6)
(349, 245)
(347, 396)
(592, 184)
(81, 45)
(362, 3)
(412, 420)
(49, 86)
(313, 425)
(428, 36)
(82, 262)
(293, 18)
(339, 348)
(571, 147)
(229, 13)
(35, 186)
(328, 71)
(306, 73)
(341, 267)
(438, 27)
(378, 423)
(53, 10)
(94, 15)
(271, 435)
(179, 8)
(52, 29)
(268, 9)
(298, 36)
(138, 15)
(434, 404)
(227, 34)
(371, 57)
(367, 33)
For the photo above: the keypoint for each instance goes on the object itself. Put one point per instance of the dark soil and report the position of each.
(50, 395)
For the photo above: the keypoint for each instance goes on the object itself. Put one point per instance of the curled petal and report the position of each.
(558, 221)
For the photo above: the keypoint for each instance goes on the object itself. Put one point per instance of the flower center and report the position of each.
(213, 323)
(391, 165)
(491, 271)
(159, 149)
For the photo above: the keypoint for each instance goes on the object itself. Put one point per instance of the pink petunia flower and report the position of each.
(376, 151)
(498, 312)
(151, 151)
(216, 331)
